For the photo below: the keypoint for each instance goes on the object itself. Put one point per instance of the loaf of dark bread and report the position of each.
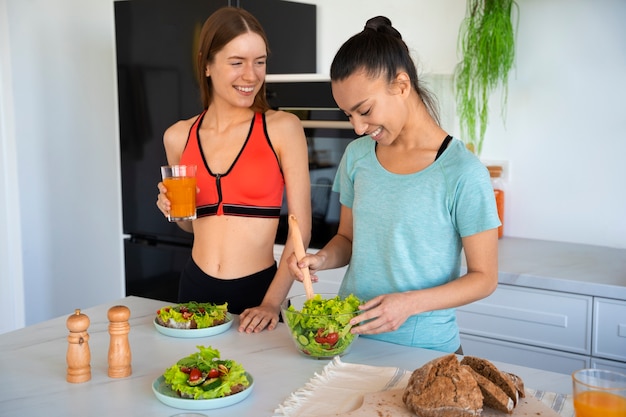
(443, 388)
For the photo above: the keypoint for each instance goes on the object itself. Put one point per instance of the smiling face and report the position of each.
(374, 106)
(237, 71)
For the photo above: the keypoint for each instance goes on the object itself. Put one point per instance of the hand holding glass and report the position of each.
(180, 181)
(599, 392)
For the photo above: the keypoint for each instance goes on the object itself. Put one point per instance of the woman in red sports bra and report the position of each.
(247, 157)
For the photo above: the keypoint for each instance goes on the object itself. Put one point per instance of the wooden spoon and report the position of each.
(298, 249)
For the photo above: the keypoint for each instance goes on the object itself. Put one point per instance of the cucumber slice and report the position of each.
(211, 383)
(303, 340)
(196, 382)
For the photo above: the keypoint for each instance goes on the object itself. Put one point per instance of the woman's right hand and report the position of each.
(313, 262)
(162, 201)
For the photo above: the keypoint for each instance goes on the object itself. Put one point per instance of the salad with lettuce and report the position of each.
(203, 375)
(193, 315)
(322, 327)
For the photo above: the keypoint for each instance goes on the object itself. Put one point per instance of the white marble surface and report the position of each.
(568, 267)
(33, 367)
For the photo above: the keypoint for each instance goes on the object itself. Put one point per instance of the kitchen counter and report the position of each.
(547, 265)
(33, 367)
(565, 267)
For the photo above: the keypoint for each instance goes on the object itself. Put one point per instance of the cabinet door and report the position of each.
(610, 365)
(291, 30)
(609, 329)
(533, 317)
(523, 355)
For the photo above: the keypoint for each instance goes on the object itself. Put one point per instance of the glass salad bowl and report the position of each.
(320, 327)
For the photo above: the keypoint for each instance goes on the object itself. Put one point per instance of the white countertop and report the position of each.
(33, 367)
(567, 267)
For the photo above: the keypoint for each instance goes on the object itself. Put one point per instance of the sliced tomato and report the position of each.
(332, 338)
(319, 337)
(195, 374)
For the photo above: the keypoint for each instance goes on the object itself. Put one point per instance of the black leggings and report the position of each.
(239, 293)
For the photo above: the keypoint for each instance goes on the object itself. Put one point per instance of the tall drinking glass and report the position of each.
(599, 393)
(180, 181)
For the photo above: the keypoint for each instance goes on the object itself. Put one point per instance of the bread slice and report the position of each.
(493, 396)
(518, 382)
(443, 388)
(492, 373)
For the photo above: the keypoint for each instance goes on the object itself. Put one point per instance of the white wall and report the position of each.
(62, 121)
(563, 139)
(11, 283)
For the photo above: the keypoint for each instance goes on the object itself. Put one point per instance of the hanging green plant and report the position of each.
(487, 46)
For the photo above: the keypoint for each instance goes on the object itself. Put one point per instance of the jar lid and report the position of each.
(495, 171)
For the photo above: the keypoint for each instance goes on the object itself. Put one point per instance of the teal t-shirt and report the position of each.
(408, 229)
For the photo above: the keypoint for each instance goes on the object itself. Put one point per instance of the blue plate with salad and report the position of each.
(203, 381)
(190, 320)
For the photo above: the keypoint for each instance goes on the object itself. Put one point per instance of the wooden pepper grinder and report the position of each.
(119, 348)
(78, 354)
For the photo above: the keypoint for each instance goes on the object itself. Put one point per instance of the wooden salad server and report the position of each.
(298, 249)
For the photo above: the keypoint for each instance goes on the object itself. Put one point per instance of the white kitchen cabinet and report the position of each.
(559, 306)
(607, 364)
(533, 317)
(551, 330)
(609, 329)
(524, 355)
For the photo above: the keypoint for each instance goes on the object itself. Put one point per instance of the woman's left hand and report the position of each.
(382, 314)
(256, 319)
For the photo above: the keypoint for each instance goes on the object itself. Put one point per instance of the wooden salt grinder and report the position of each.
(78, 354)
(119, 348)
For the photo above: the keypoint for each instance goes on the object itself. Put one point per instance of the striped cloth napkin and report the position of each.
(560, 403)
(340, 386)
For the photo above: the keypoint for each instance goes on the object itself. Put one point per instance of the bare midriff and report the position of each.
(231, 247)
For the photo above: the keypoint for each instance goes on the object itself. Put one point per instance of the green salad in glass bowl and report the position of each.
(320, 327)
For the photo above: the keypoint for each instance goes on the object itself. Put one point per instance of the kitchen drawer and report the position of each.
(610, 365)
(523, 355)
(535, 317)
(609, 329)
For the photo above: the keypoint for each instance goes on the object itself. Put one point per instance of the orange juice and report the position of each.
(599, 404)
(181, 191)
(499, 194)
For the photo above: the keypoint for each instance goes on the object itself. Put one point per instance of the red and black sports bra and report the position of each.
(253, 185)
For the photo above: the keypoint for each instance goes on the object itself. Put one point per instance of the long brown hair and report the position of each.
(220, 28)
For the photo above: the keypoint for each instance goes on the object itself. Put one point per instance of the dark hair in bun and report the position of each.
(380, 51)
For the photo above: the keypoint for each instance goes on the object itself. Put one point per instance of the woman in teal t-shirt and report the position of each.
(412, 197)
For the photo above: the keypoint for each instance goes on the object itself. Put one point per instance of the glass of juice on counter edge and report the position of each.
(599, 392)
(180, 181)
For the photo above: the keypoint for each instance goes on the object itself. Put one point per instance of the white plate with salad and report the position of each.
(205, 382)
(191, 320)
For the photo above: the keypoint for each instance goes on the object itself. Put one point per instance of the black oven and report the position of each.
(328, 132)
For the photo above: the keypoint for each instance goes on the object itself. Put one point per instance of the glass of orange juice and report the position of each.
(180, 181)
(599, 392)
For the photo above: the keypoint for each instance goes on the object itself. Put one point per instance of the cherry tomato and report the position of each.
(329, 339)
(185, 369)
(319, 337)
(213, 373)
(332, 338)
(195, 374)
